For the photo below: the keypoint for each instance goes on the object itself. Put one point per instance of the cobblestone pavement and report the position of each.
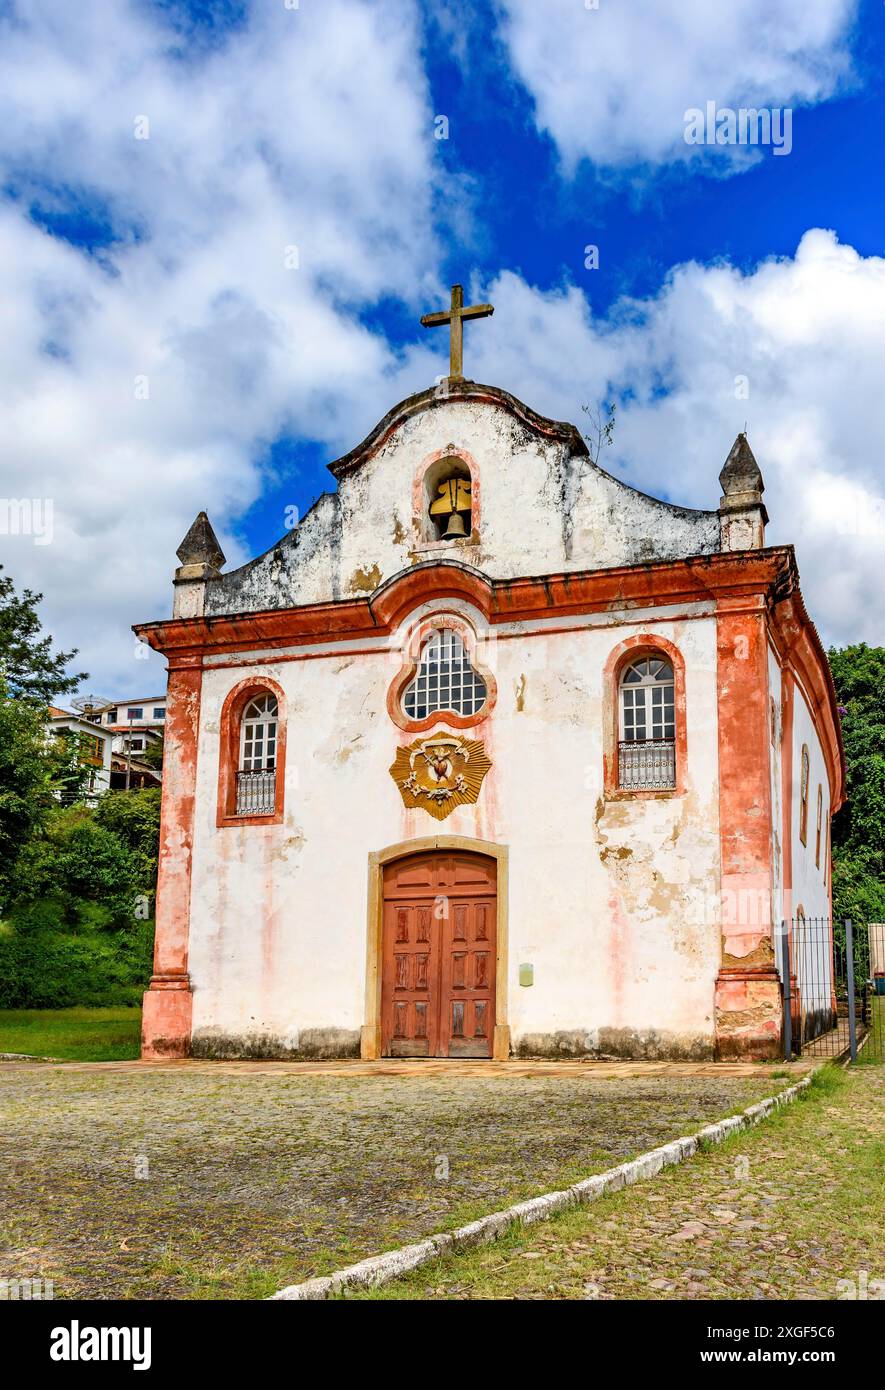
(231, 1180)
(791, 1210)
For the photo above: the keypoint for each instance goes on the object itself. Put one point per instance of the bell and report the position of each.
(456, 530)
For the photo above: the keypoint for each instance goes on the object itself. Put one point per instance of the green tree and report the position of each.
(858, 834)
(32, 670)
(83, 869)
(33, 768)
(134, 817)
(25, 781)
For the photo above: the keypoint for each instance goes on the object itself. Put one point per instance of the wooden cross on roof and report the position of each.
(456, 316)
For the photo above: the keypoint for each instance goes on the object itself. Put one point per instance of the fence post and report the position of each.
(849, 968)
(788, 1003)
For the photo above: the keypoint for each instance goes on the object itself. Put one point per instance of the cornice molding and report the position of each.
(732, 578)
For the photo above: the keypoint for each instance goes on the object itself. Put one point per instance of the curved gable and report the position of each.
(453, 392)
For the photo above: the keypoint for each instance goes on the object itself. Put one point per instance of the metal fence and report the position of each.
(873, 1002)
(833, 978)
(256, 793)
(647, 764)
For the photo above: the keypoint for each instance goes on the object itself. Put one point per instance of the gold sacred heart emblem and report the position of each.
(440, 773)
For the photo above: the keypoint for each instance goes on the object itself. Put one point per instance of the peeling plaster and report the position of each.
(603, 897)
(365, 581)
(546, 512)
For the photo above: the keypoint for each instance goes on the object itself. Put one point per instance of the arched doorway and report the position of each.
(439, 954)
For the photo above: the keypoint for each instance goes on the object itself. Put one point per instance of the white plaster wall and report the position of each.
(810, 890)
(812, 960)
(615, 905)
(542, 512)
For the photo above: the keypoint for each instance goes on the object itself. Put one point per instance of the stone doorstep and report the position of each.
(383, 1269)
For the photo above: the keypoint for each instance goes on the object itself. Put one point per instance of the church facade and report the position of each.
(490, 755)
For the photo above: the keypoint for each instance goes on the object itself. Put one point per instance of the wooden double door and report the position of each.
(439, 955)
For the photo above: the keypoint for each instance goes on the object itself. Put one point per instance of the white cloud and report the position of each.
(808, 333)
(612, 83)
(306, 128)
(243, 161)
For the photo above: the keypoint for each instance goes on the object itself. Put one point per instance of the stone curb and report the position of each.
(382, 1269)
(25, 1057)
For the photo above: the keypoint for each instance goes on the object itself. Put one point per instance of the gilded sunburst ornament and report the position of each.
(440, 772)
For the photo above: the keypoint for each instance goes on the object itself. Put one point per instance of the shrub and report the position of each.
(56, 970)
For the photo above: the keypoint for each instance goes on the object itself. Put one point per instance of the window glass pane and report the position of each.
(647, 701)
(445, 679)
(259, 734)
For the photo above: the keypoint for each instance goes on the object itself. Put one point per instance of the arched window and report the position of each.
(258, 735)
(647, 733)
(256, 777)
(803, 796)
(252, 755)
(445, 679)
(820, 818)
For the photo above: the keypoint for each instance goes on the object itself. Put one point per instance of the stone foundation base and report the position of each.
(749, 1015)
(166, 1018)
(616, 1044)
(310, 1045)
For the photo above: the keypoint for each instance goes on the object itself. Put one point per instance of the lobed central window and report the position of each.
(445, 679)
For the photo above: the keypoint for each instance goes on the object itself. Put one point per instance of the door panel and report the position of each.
(438, 956)
(468, 980)
(410, 966)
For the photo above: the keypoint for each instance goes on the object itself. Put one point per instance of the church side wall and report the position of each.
(811, 933)
(615, 903)
(810, 890)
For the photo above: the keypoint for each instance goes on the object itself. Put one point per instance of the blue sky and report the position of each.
(162, 258)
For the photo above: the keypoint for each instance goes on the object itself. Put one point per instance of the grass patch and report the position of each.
(786, 1210)
(78, 1035)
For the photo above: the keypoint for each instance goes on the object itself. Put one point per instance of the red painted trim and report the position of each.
(502, 600)
(620, 656)
(166, 1022)
(241, 661)
(411, 656)
(229, 752)
(745, 824)
(726, 578)
(433, 581)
